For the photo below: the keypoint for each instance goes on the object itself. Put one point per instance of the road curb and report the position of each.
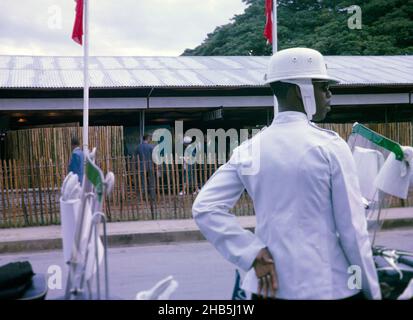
(30, 245)
(130, 239)
(397, 223)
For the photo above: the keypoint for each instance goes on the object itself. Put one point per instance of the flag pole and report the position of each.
(274, 27)
(274, 44)
(86, 80)
(74, 283)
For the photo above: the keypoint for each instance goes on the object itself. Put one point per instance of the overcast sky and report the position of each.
(117, 27)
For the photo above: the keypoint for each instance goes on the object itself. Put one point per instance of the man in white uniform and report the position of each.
(311, 239)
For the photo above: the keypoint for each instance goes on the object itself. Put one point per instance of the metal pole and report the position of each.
(274, 27)
(141, 125)
(96, 231)
(274, 44)
(86, 80)
(72, 283)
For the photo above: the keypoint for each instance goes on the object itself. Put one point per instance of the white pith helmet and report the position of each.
(299, 66)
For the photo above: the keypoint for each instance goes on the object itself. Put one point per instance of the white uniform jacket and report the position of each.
(308, 210)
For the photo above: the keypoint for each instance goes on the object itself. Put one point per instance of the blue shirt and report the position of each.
(76, 163)
(144, 152)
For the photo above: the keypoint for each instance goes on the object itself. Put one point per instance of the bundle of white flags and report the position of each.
(395, 177)
(70, 206)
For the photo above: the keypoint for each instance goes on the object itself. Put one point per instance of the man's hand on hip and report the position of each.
(267, 277)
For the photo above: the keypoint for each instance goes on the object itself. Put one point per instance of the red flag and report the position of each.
(78, 26)
(268, 23)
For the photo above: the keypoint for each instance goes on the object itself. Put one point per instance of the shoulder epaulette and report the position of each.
(330, 132)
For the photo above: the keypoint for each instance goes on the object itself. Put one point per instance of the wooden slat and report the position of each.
(157, 188)
(46, 190)
(125, 187)
(58, 176)
(40, 194)
(192, 180)
(186, 190)
(12, 192)
(174, 187)
(125, 207)
(182, 190)
(42, 207)
(199, 176)
(46, 182)
(110, 199)
(197, 169)
(116, 187)
(162, 213)
(53, 184)
(8, 196)
(133, 195)
(18, 187)
(180, 198)
(210, 167)
(3, 193)
(168, 184)
(119, 186)
(27, 186)
(32, 184)
(205, 171)
(145, 187)
(140, 191)
(135, 183)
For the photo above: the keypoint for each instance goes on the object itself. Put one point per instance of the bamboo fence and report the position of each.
(30, 185)
(402, 132)
(32, 145)
(30, 194)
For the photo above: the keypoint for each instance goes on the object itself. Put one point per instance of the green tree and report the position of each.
(387, 28)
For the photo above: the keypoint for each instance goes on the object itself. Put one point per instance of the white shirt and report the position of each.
(308, 211)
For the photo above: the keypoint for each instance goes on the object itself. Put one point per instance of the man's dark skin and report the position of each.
(264, 265)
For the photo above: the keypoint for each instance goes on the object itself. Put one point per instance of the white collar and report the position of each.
(290, 116)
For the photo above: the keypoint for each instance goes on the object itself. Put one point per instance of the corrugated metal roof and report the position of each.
(196, 71)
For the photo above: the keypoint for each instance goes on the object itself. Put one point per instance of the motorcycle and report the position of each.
(384, 170)
(395, 272)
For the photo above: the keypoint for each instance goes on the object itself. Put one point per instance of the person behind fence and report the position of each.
(187, 166)
(147, 174)
(311, 239)
(191, 151)
(76, 159)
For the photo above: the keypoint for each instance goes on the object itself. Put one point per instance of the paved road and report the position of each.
(199, 269)
(399, 238)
